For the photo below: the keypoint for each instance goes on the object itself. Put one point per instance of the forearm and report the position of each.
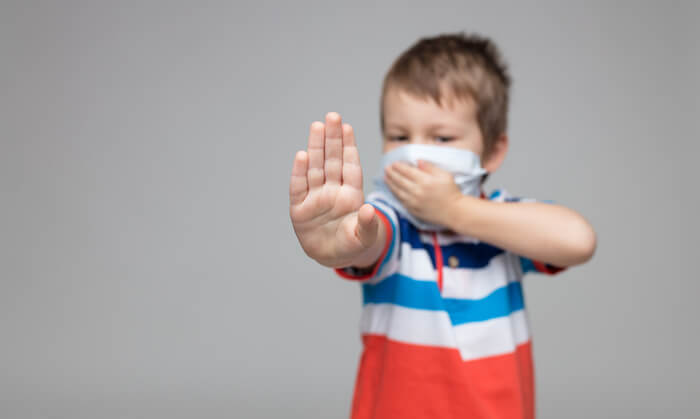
(545, 232)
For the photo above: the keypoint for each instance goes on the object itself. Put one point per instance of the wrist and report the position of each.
(376, 251)
(460, 214)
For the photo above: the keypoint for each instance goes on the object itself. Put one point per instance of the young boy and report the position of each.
(443, 326)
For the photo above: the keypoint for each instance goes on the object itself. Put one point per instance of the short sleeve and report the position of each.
(529, 265)
(525, 265)
(387, 263)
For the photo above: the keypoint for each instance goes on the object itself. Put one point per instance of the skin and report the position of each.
(336, 229)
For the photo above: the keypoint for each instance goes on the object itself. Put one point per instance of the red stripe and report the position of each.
(400, 380)
(544, 268)
(438, 260)
(389, 234)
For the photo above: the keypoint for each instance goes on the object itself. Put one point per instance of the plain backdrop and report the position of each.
(148, 266)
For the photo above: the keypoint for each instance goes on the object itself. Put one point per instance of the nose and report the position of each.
(419, 139)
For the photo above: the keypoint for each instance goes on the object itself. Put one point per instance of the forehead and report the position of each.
(402, 107)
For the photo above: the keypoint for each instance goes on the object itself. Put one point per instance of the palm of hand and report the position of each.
(326, 194)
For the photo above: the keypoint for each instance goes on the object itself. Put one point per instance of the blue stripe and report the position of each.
(499, 303)
(407, 292)
(404, 291)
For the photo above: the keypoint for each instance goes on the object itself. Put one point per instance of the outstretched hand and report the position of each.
(332, 224)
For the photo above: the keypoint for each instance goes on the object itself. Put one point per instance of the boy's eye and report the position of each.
(398, 138)
(444, 139)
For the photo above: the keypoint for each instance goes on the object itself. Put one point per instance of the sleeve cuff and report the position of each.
(546, 268)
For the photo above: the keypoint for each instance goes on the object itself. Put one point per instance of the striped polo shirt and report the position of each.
(444, 329)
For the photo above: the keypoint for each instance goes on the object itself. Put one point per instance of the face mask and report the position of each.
(464, 165)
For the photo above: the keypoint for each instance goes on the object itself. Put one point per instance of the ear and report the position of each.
(498, 153)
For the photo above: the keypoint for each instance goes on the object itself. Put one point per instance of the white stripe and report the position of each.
(392, 264)
(447, 239)
(427, 327)
(389, 268)
(492, 337)
(505, 195)
(416, 263)
(409, 325)
(466, 283)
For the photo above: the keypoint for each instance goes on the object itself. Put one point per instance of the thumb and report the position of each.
(367, 225)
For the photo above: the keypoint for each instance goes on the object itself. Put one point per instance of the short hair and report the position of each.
(456, 66)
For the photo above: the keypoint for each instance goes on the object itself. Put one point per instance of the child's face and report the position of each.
(410, 120)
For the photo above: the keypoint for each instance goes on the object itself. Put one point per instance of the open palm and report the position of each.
(325, 196)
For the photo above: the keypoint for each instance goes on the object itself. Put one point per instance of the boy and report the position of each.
(443, 326)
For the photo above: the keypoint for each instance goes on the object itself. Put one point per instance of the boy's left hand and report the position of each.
(426, 191)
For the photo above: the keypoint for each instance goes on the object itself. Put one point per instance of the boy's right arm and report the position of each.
(326, 203)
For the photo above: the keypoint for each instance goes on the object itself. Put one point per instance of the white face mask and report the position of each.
(464, 165)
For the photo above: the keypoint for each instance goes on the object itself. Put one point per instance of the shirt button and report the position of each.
(453, 261)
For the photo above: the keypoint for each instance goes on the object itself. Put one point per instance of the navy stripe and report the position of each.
(527, 265)
(469, 255)
(407, 292)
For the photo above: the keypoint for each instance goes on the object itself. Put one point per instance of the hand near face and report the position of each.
(426, 191)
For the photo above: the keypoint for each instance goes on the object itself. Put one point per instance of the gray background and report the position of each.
(148, 267)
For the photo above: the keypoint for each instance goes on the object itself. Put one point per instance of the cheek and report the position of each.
(388, 146)
(471, 144)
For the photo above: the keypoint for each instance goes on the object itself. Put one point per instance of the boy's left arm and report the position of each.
(547, 233)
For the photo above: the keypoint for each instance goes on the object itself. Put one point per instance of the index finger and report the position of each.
(412, 173)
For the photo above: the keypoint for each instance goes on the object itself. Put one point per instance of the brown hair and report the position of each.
(456, 66)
